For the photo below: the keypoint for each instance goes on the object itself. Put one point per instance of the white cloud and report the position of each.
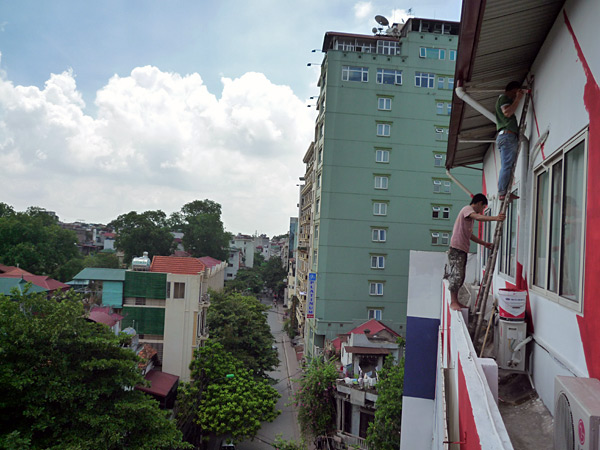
(158, 140)
(363, 10)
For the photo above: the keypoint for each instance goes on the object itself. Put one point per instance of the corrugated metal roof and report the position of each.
(7, 285)
(498, 43)
(95, 273)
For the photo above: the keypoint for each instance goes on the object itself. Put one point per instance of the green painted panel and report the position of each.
(144, 320)
(112, 294)
(146, 284)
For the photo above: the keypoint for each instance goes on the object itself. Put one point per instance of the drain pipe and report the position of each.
(462, 94)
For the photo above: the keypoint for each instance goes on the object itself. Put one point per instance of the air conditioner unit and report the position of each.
(576, 413)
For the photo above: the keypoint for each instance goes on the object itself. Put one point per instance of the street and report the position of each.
(286, 423)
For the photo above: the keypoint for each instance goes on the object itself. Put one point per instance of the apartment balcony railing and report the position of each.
(352, 441)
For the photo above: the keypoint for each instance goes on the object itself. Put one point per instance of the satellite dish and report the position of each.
(382, 20)
(374, 30)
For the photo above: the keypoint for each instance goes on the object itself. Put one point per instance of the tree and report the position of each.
(224, 399)
(203, 232)
(145, 232)
(384, 431)
(239, 323)
(274, 274)
(315, 399)
(105, 260)
(247, 281)
(65, 382)
(34, 241)
(259, 259)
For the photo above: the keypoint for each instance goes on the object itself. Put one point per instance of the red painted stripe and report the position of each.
(589, 324)
(469, 437)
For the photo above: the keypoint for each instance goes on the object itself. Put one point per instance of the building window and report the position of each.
(441, 134)
(382, 156)
(375, 288)
(446, 212)
(178, 290)
(443, 108)
(438, 160)
(139, 301)
(560, 225)
(317, 206)
(318, 181)
(446, 187)
(374, 314)
(388, 47)
(352, 73)
(424, 80)
(440, 212)
(379, 234)
(379, 209)
(441, 82)
(452, 54)
(169, 285)
(316, 231)
(389, 76)
(384, 129)
(450, 83)
(441, 238)
(320, 157)
(381, 182)
(384, 103)
(378, 262)
(449, 108)
(435, 212)
(432, 53)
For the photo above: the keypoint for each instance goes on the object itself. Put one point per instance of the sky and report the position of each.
(114, 106)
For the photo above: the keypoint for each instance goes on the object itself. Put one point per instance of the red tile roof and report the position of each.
(13, 271)
(176, 264)
(102, 315)
(42, 281)
(209, 261)
(374, 326)
(161, 383)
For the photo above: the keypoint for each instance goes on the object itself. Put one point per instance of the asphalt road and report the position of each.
(286, 423)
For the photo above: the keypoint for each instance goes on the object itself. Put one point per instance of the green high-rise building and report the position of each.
(380, 184)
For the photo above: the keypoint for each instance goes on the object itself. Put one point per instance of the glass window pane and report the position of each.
(572, 221)
(541, 231)
(555, 209)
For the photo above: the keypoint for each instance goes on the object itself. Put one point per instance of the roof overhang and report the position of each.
(498, 43)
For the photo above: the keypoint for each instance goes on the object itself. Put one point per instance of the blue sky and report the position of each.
(113, 106)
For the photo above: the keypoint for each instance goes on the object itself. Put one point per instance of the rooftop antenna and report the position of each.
(382, 20)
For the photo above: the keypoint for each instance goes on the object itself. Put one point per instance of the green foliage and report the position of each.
(203, 230)
(224, 399)
(282, 444)
(105, 260)
(384, 431)
(259, 259)
(273, 274)
(315, 399)
(248, 280)
(289, 329)
(239, 323)
(145, 232)
(35, 242)
(64, 382)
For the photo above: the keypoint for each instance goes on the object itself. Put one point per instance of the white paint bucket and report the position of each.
(511, 304)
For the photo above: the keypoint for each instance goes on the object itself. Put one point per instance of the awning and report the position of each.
(161, 383)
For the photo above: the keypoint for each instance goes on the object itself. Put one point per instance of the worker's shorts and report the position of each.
(455, 269)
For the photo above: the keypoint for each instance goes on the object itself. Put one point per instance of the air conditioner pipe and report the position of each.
(461, 93)
(519, 346)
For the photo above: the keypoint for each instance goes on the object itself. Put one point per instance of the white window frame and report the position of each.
(380, 208)
(447, 187)
(451, 83)
(547, 168)
(384, 103)
(439, 108)
(178, 290)
(423, 52)
(446, 212)
(435, 212)
(348, 72)
(435, 238)
(445, 238)
(378, 235)
(437, 186)
(428, 78)
(381, 182)
(452, 55)
(389, 76)
(384, 129)
(317, 206)
(382, 156)
(375, 288)
(374, 313)
(441, 82)
(388, 47)
(377, 262)
(438, 160)
(507, 253)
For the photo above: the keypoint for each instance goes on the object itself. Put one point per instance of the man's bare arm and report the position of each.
(484, 218)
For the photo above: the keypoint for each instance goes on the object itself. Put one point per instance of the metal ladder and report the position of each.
(486, 284)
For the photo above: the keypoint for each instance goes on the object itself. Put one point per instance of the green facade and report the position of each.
(146, 284)
(348, 144)
(112, 293)
(144, 320)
